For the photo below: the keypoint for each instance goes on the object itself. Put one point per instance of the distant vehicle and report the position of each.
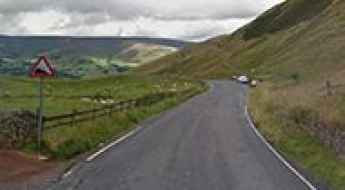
(243, 79)
(234, 77)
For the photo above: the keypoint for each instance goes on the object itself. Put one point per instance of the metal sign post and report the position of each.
(40, 118)
(41, 69)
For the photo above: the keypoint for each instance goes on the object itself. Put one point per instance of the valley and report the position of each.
(79, 57)
(295, 53)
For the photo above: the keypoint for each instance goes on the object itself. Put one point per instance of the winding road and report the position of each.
(203, 144)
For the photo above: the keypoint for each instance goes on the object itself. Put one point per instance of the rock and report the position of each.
(253, 83)
(110, 101)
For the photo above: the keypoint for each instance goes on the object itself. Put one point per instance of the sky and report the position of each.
(194, 20)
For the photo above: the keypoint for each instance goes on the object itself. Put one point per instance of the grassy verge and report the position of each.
(274, 120)
(63, 96)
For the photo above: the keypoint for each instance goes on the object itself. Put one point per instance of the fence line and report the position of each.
(71, 119)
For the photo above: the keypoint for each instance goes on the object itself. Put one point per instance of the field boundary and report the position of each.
(75, 117)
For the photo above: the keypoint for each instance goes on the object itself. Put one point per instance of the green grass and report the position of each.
(274, 121)
(286, 15)
(64, 96)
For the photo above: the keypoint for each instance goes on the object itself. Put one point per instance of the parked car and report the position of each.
(243, 79)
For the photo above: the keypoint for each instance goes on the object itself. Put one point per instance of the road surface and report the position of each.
(204, 144)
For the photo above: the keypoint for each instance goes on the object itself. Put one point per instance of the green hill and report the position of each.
(292, 36)
(297, 50)
(81, 56)
(297, 46)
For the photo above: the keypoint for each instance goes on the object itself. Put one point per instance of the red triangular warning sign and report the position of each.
(42, 68)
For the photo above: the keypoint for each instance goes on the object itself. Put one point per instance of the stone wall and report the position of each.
(16, 128)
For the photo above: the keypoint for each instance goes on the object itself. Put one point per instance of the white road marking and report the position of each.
(67, 174)
(276, 153)
(106, 148)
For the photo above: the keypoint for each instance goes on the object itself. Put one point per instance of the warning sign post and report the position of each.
(41, 69)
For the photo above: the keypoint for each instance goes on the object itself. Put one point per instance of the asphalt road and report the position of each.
(204, 144)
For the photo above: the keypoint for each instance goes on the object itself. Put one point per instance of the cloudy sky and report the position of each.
(182, 19)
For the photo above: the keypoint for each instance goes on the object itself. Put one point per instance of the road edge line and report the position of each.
(276, 153)
(112, 144)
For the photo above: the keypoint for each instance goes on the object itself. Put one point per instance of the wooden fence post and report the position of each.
(125, 106)
(73, 117)
(93, 116)
(110, 111)
(134, 103)
(329, 88)
(120, 106)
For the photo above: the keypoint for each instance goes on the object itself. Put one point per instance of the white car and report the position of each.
(243, 79)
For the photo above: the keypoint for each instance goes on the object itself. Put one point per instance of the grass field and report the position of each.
(64, 96)
(286, 123)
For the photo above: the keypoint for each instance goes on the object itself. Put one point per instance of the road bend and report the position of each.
(203, 144)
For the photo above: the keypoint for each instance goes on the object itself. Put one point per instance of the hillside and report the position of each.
(297, 46)
(307, 33)
(82, 56)
(141, 53)
(297, 50)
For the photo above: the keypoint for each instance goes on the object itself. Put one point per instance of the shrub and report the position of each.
(296, 77)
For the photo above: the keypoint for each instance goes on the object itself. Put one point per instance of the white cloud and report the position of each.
(185, 19)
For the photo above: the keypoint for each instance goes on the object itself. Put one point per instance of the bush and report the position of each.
(16, 128)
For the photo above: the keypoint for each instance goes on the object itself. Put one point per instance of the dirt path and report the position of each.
(22, 172)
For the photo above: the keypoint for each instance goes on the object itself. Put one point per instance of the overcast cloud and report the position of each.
(182, 19)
